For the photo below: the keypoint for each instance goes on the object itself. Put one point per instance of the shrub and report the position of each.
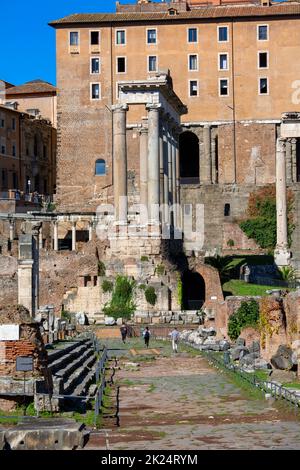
(107, 286)
(261, 222)
(179, 290)
(142, 286)
(160, 270)
(65, 315)
(150, 295)
(101, 269)
(230, 243)
(144, 258)
(121, 304)
(287, 273)
(246, 315)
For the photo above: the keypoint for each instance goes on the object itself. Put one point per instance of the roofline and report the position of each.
(118, 18)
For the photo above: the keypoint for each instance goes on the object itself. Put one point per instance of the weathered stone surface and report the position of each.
(249, 359)
(52, 434)
(283, 358)
(283, 376)
(239, 352)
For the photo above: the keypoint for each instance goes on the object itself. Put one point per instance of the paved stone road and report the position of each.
(175, 402)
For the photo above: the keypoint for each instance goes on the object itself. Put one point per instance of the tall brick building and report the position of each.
(231, 63)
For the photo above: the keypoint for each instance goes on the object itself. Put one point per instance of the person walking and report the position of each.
(146, 335)
(124, 332)
(175, 339)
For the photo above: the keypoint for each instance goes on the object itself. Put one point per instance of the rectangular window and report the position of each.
(152, 63)
(74, 38)
(263, 86)
(121, 64)
(13, 150)
(151, 36)
(262, 32)
(120, 37)
(95, 91)
(263, 62)
(3, 149)
(13, 124)
(95, 65)
(192, 35)
(223, 62)
(95, 38)
(222, 33)
(223, 87)
(193, 88)
(193, 62)
(2, 122)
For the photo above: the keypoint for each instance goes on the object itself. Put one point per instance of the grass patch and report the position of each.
(241, 288)
(292, 385)
(151, 388)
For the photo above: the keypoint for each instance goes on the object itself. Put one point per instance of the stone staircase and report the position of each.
(73, 369)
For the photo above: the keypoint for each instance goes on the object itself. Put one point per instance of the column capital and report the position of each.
(143, 130)
(293, 141)
(119, 108)
(153, 106)
(281, 144)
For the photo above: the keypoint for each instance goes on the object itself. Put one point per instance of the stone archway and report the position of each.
(189, 157)
(193, 286)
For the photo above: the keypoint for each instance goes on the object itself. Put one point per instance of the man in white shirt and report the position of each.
(175, 339)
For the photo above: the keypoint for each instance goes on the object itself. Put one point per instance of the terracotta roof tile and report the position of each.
(35, 86)
(199, 13)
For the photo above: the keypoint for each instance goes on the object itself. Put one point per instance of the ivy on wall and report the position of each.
(260, 225)
(246, 315)
(121, 303)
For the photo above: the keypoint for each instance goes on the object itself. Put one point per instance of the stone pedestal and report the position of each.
(282, 254)
(28, 273)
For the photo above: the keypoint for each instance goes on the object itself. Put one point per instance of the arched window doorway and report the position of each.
(193, 290)
(189, 157)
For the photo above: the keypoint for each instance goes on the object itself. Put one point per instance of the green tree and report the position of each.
(246, 315)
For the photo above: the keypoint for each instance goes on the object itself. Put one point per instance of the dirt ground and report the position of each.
(179, 402)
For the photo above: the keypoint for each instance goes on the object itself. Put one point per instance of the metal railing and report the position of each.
(274, 389)
(100, 372)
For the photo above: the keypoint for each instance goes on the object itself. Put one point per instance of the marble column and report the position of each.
(90, 231)
(11, 230)
(41, 238)
(73, 236)
(166, 174)
(55, 236)
(178, 214)
(153, 161)
(170, 171)
(161, 166)
(288, 159)
(144, 166)
(282, 255)
(120, 162)
(206, 164)
(174, 199)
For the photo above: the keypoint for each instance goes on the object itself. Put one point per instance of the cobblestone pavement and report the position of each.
(176, 402)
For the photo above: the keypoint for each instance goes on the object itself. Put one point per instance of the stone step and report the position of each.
(75, 365)
(55, 354)
(83, 387)
(78, 376)
(92, 390)
(61, 362)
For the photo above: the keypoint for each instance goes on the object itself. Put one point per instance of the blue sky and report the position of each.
(27, 43)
